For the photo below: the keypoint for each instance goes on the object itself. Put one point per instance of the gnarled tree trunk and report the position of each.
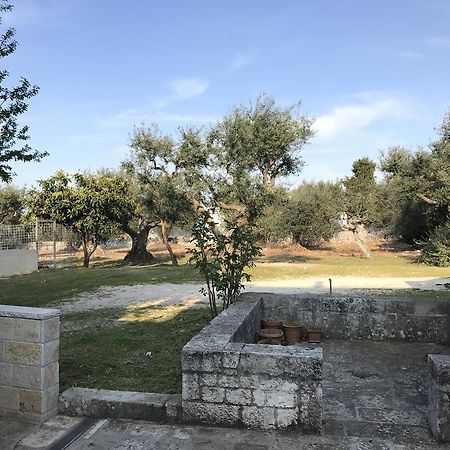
(165, 228)
(138, 252)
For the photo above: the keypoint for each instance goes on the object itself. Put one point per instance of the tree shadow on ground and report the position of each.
(138, 351)
(288, 259)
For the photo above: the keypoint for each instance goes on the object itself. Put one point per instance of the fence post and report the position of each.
(54, 244)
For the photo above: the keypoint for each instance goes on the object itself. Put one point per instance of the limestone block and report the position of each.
(190, 386)
(6, 327)
(213, 394)
(2, 351)
(211, 414)
(208, 379)
(9, 397)
(26, 330)
(5, 374)
(37, 401)
(29, 377)
(255, 417)
(211, 362)
(23, 353)
(51, 352)
(50, 329)
(281, 399)
(239, 396)
(259, 397)
(286, 417)
(229, 381)
(50, 374)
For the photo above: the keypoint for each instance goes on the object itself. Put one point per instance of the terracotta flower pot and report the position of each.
(292, 333)
(271, 334)
(271, 322)
(314, 335)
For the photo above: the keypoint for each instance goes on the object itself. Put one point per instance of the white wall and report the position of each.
(17, 262)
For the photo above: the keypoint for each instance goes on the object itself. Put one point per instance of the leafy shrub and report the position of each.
(437, 250)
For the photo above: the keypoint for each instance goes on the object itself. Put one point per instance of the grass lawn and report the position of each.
(52, 285)
(378, 266)
(107, 349)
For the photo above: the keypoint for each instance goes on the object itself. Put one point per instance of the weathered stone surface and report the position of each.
(439, 396)
(9, 397)
(5, 374)
(23, 353)
(50, 352)
(207, 413)
(120, 404)
(220, 375)
(50, 329)
(30, 377)
(6, 328)
(27, 312)
(27, 330)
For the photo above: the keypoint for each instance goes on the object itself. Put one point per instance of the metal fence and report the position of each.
(55, 244)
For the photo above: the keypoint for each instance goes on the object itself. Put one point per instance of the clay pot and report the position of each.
(271, 334)
(292, 333)
(269, 342)
(272, 323)
(314, 335)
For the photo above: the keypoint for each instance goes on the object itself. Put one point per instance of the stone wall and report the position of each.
(29, 353)
(409, 319)
(439, 396)
(18, 262)
(232, 383)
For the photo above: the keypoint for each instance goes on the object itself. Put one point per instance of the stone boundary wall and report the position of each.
(232, 383)
(121, 405)
(18, 262)
(439, 396)
(29, 371)
(409, 319)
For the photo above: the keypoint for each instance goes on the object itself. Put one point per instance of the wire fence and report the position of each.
(55, 244)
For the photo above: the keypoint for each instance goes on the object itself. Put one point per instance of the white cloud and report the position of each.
(349, 118)
(439, 42)
(185, 88)
(240, 60)
(411, 55)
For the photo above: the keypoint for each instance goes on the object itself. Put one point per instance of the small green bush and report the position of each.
(437, 250)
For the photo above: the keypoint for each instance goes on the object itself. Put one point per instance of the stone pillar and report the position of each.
(439, 396)
(29, 354)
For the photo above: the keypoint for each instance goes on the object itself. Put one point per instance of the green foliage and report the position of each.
(92, 205)
(261, 138)
(313, 211)
(361, 193)
(222, 258)
(11, 205)
(437, 250)
(13, 103)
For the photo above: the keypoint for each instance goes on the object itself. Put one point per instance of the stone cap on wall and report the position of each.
(25, 312)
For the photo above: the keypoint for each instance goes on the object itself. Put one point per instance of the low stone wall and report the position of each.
(439, 396)
(409, 319)
(228, 380)
(29, 371)
(18, 262)
(120, 405)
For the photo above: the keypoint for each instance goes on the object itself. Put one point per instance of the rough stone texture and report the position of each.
(120, 404)
(408, 319)
(229, 380)
(439, 396)
(29, 352)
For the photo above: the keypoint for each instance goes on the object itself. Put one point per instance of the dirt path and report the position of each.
(188, 293)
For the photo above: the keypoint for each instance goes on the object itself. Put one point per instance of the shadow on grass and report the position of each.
(140, 351)
(288, 259)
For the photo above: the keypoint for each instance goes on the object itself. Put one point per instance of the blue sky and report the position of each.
(373, 73)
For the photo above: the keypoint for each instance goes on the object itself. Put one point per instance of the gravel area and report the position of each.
(189, 293)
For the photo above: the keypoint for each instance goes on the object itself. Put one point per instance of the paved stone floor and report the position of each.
(374, 397)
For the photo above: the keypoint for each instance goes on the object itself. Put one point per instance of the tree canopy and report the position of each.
(13, 103)
(92, 205)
